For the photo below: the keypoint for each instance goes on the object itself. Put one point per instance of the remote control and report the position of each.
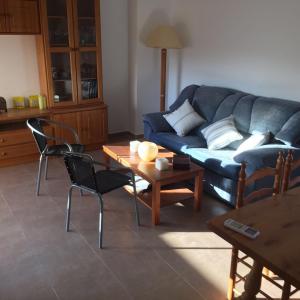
(245, 230)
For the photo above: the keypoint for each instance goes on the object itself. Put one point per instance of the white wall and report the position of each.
(249, 45)
(18, 67)
(144, 62)
(114, 21)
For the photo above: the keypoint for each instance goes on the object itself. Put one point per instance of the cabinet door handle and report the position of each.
(3, 153)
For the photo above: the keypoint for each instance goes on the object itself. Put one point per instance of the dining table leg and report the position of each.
(252, 283)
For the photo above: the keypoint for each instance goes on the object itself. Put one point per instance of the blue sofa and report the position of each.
(251, 113)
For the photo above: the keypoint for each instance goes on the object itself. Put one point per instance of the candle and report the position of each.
(162, 164)
(134, 145)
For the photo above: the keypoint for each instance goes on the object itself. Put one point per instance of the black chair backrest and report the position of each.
(81, 169)
(39, 139)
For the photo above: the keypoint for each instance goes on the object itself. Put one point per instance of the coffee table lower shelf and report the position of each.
(167, 197)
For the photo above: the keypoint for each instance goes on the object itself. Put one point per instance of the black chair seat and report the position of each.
(59, 150)
(106, 181)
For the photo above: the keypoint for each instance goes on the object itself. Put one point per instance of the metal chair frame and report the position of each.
(97, 193)
(43, 155)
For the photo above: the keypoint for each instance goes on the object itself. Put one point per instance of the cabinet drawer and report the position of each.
(14, 137)
(17, 151)
(19, 136)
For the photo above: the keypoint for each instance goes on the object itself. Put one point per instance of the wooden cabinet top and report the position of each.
(14, 115)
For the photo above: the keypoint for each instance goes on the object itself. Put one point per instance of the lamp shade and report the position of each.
(164, 37)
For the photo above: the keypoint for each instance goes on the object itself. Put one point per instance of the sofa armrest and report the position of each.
(260, 157)
(157, 122)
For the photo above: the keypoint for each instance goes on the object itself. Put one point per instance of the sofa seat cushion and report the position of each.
(218, 161)
(172, 141)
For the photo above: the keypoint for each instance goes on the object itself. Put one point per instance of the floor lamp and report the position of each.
(163, 37)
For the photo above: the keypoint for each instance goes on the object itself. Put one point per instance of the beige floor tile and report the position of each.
(180, 259)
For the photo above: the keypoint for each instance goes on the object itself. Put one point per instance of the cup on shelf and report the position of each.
(33, 101)
(19, 102)
(42, 102)
(134, 145)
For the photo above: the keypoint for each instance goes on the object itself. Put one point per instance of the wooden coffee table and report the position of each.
(158, 197)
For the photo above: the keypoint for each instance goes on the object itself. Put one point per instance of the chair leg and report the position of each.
(38, 182)
(46, 167)
(81, 193)
(100, 222)
(68, 212)
(286, 291)
(232, 276)
(135, 200)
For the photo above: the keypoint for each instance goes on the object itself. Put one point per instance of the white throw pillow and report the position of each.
(255, 140)
(221, 133)
(184, 119)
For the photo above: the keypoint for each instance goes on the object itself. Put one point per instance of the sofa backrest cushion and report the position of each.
(186, 93)
(271, 114)
(251, 113)
(207, 99)
(290, 132)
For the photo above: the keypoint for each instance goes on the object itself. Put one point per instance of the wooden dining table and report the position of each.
(277, 247)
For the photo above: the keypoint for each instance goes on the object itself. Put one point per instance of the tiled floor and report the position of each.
(180, 259)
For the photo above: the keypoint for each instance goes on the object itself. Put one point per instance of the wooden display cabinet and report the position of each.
(69, 59)
(69, 55)
(19, 17)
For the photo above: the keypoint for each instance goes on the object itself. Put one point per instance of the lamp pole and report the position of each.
(163, 37)
(163, 73)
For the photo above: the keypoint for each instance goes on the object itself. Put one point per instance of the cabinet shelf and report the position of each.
(86, 18)
(54, 47)
(61, 80)
(88, 78)
(57, 17)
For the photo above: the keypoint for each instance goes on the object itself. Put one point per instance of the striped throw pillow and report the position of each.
(221, 133)
(184, 119)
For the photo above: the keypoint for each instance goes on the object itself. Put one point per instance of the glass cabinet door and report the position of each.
(61, 77)
(87, 25)
(88, 75)
(61, 48)
(58, 30)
